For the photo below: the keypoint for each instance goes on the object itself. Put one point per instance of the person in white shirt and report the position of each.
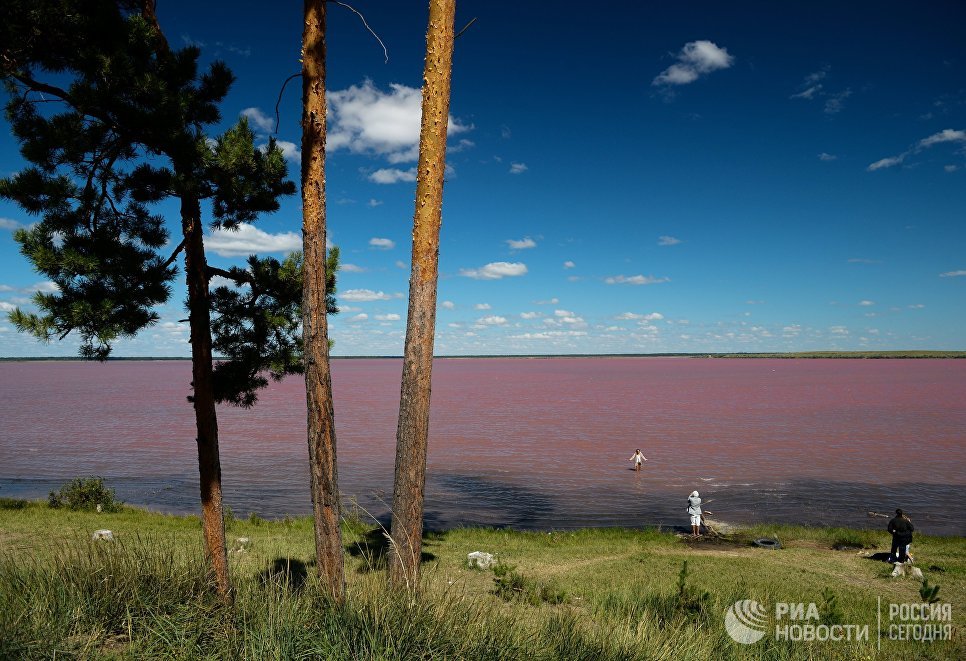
(694, 509)
(637, 458)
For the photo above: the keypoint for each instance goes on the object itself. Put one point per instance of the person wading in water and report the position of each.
(638, 457)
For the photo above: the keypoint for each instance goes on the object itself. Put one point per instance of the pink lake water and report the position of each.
(526, 443)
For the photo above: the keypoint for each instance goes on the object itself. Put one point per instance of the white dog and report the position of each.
(902, 569)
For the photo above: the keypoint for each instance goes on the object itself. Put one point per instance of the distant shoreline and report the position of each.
(854, 355)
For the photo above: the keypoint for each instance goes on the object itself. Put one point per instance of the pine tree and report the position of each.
(114, 121)
(323, 470)
(413, 429)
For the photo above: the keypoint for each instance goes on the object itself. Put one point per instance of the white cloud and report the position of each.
(7, 307)
(392, 175)
(835, 102)
(812, 88)
(362, 316)
(495, 271)
(944, 136)
(886, 163)
(518, 168)
(917, 306)
(529, 315)
(569, 264)
(950, 168)
(549, 335)
(221, 281)
(366, 120)
(290, 150)
(401, 264)
(827, 157)
(351, 268)
(630, 316)
(552, 301)
(493, 320)
(249, 240)
(364, 295)
(388, 317)
(952, 274)
(522, 244)
(482, 306)
(695, 59)
(565, 318)
(449, 305)
(809, 93)
(667, 241)
(838, 330)
(173, 327)
(382, 244)
(373, 202)
(866, 303)
(259, 120)
(635, 280)
(8, 224)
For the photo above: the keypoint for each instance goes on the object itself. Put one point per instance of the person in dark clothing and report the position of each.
(901, 529)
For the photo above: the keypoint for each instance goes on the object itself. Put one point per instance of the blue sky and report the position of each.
(624, 177)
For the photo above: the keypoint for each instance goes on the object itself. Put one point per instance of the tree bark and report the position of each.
(318, 380)
(414, 400)
(209, 463)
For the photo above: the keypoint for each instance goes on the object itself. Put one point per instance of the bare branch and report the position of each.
(363, 19)
(385, 52)
(238, 275)
(280, 92)
(174, 255)
(465, 28)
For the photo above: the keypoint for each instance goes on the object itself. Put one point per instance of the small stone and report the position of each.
(103, 534)
(480, 559)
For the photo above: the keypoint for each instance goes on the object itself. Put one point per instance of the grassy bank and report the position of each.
(591, 594)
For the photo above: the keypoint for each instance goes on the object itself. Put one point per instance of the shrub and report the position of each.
(85, 494)
(929, 593)
(831, 611)
(512, 585)
(12, 504)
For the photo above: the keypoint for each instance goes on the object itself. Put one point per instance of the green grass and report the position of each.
(586, 594)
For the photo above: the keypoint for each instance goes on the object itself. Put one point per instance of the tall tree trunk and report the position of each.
(413, 430)
(318, 380)
(209, 463)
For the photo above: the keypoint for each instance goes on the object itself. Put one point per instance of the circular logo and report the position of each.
(745, 621)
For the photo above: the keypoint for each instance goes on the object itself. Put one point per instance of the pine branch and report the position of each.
(238, 275)
(174, 255)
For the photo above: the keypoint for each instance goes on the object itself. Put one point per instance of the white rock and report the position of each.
(480, 559)
(103, 534)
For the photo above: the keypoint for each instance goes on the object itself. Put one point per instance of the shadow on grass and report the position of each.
(285, 572)
(373, 548)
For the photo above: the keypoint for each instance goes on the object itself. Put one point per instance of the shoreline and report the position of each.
(930, 354)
